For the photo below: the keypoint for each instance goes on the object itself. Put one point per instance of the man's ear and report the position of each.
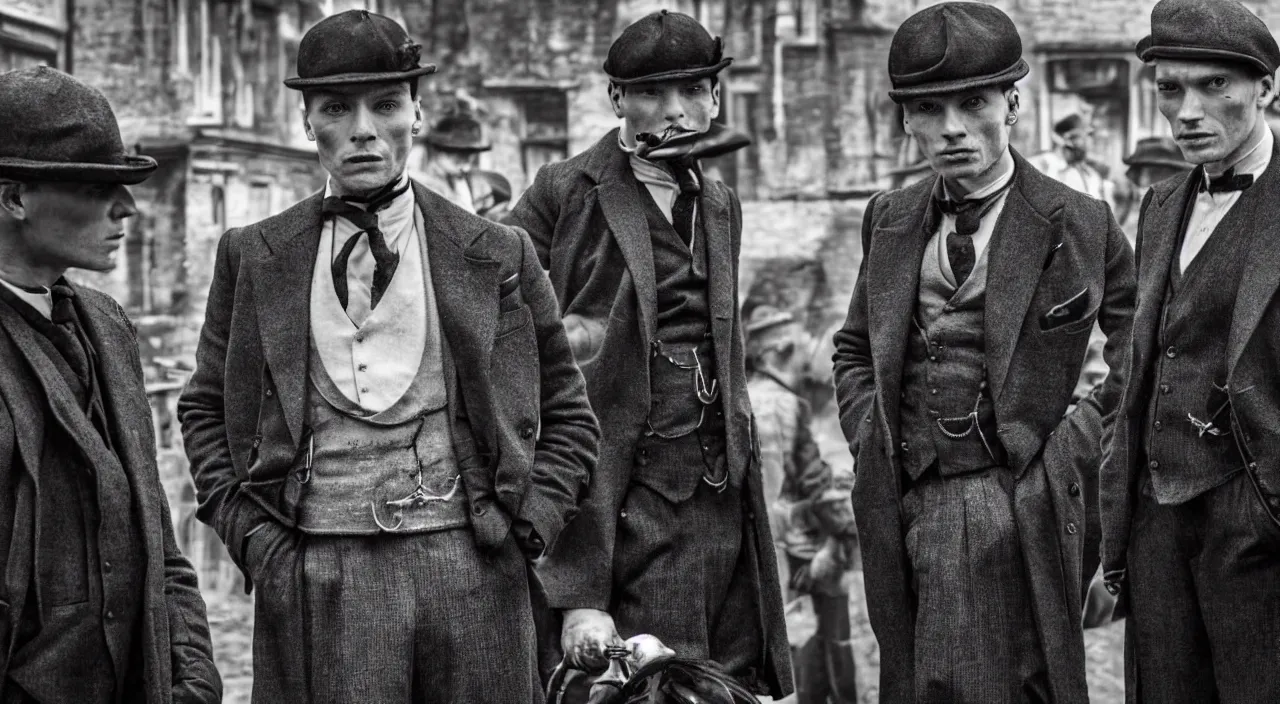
(715, 100)
(1014, 100)
(615, 98)
(306, 122)
(1267, 92)
(11, 200)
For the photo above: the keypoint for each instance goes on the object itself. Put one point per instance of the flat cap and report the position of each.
(664, 46)
(954, 46)
(1213, 30)
(357, 46)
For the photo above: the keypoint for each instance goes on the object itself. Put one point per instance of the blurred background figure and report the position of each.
(1069, 162)
(810, 507)
(490, 194)
(453, 147)
(1152, 161)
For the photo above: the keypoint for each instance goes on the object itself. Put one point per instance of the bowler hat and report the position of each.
(1157, 151)
(952, 47)
(664, 46)
(59, 129)
(459, 133)
(1213, 30)
(356, 46)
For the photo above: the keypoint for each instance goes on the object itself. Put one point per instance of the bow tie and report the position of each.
(1228, 181)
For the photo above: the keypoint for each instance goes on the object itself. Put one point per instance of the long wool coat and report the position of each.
(590, 232)
(177, 656)
(1050, 242)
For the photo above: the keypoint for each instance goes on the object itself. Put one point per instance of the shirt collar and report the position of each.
(650, 173)
(41, 301)
(404, 177)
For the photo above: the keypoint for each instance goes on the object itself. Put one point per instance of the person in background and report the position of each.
(453, 147)
(97, 603)
(810, 506)
(491, 194)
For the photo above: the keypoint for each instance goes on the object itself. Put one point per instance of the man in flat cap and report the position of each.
(954, 375)
(385, 422)
(1191, 489)
(453, 147)
(673, 539)
(97, 604)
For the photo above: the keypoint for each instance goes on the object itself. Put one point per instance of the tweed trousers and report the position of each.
(681, 574)
(975, 634)
(1204, 595)
(391, 619)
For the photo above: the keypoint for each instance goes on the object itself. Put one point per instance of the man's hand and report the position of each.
(585, 635)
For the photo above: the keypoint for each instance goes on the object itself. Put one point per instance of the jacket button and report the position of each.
(526, 432)
(478, 509)
(622, 514)
(268, 393)
(111, 615)
(1073, 489)
(1158, 426)
(904, 446)
(1153, 465)
(1171, 352)
(1071, 528)
(1164, 388)
(257, 442)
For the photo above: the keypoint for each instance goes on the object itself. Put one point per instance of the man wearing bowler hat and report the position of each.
(453, 147)
(1191, 488)
(954, 375)
(385, 422)
(673, 539)
(97, 604)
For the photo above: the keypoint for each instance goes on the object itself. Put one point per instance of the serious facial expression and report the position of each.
(685, 106)
(962, 135)
(363, 133)
(1212, 107)
(75, 225)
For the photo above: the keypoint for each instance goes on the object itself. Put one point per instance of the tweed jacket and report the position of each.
(243, 411)
(173, 636)
(1050, 243)
(1253, 346)
(588, 226)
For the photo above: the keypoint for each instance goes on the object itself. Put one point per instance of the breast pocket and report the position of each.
(512, 321)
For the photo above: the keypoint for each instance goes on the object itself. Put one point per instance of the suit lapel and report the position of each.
(617, 196)
(893, 281)
(715, 226)
(21, 393)
(283, 298)
(1161, 230)
(465, 279)
(1019, 245)
(1261, 274)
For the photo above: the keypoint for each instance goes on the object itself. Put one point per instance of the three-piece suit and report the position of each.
(673, 538)
(97, 603)
(1191, 486)
(369, 589)
(955, 403)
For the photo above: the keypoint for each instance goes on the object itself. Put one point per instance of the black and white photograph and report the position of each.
(639, 352)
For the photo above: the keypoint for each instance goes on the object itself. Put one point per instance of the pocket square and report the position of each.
(1069, 311)
(508, 285)
(1049, 259)
(509, 297)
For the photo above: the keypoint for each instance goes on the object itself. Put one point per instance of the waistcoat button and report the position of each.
(1171, 352)
(1073, 489)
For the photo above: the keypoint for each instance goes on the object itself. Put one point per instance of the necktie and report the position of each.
(67, 337)
(684, 209)
(1228, 181)
(969, 214)
(385, 260)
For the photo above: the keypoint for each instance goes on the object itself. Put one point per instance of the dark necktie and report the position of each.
(366, 219)
(1228, 181)
(969, 214)
(685, 207)
(67, 336)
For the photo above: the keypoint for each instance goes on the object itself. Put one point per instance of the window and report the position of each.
(546, 128)
(15, 54)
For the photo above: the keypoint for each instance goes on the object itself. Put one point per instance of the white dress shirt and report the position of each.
(986, 226)
(660, 183)
(396, 223)
(42, 302)
(1210, 208)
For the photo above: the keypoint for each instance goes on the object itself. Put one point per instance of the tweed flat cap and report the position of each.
(664, 46)
(57, 128)
(954, 46)
(1215, 30)
(356, 46)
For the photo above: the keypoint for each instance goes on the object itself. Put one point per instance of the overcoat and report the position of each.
(1049, 244)
(1253, 348)
(243, 411)
(177, 656)
(588, 226)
